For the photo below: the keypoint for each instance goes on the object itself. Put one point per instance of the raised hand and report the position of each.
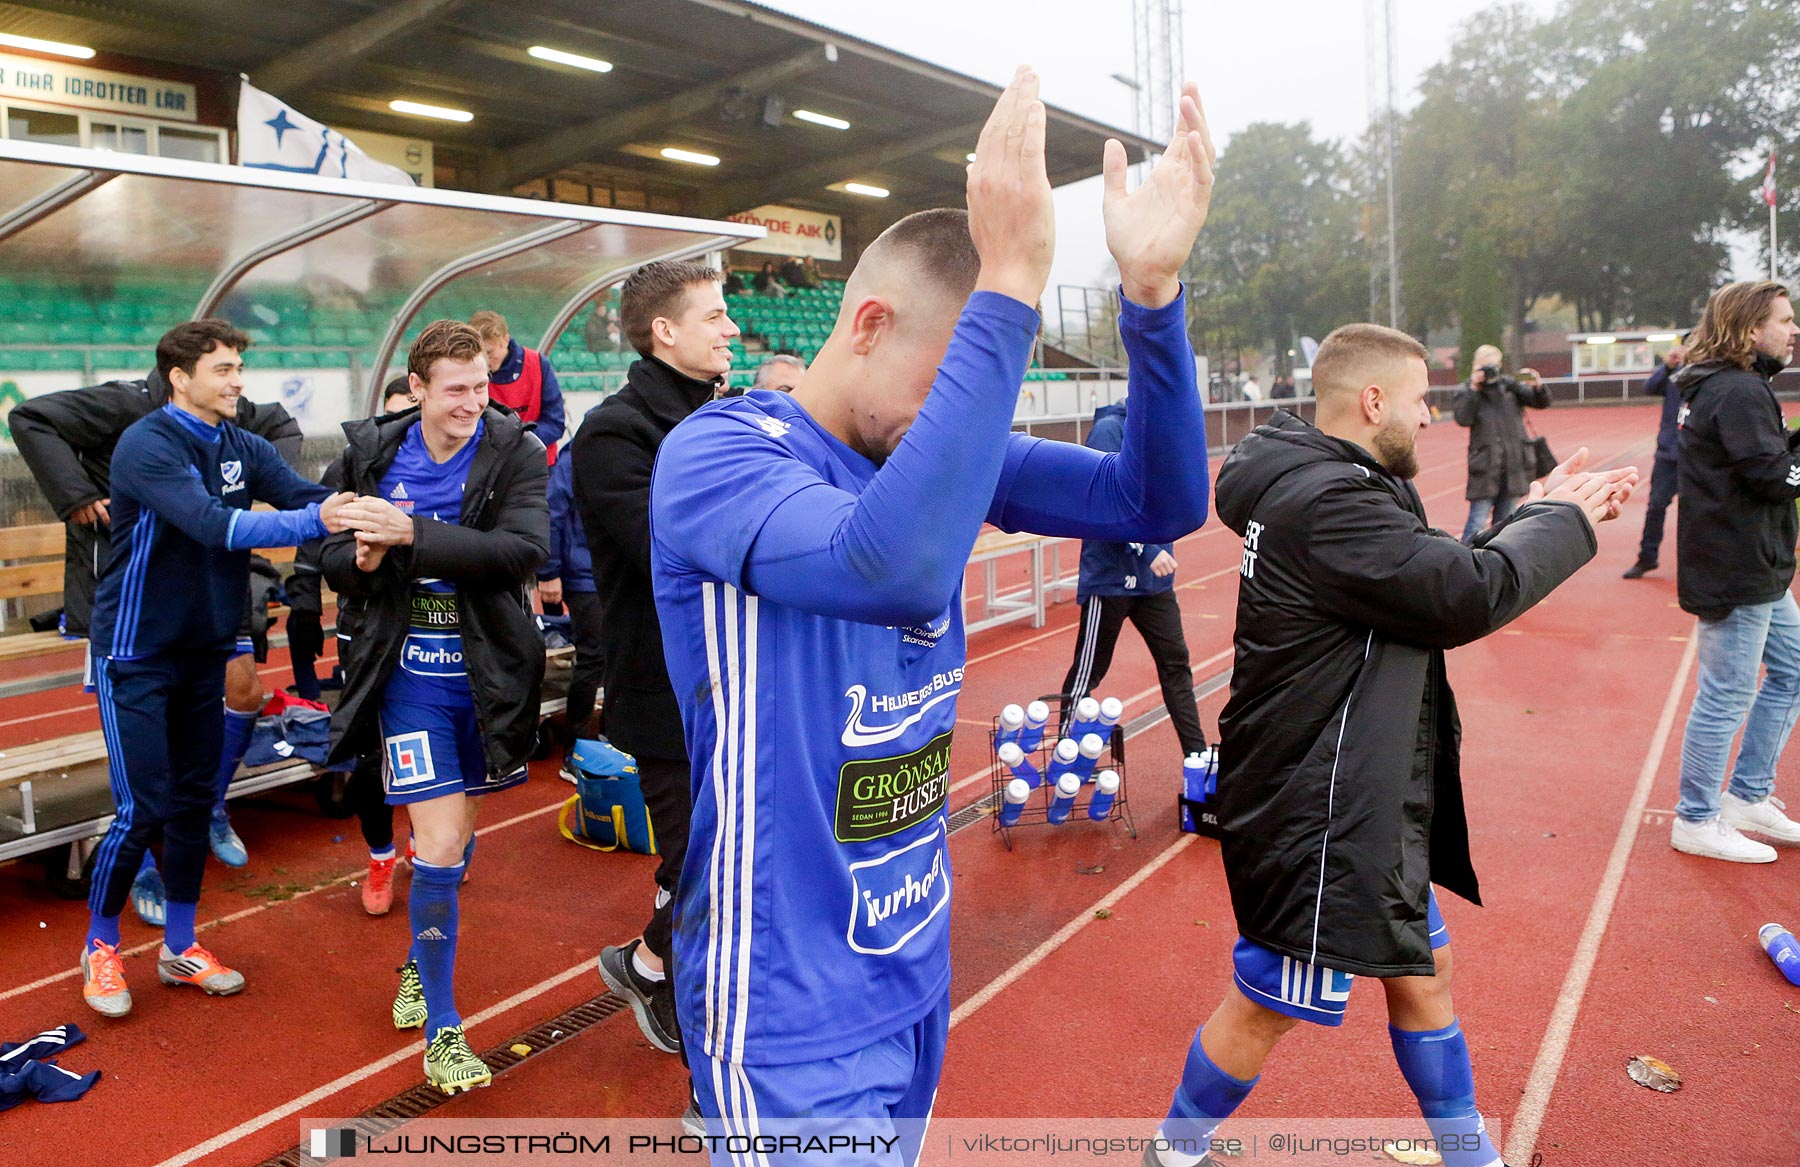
(1011, 217)
(1151, 230)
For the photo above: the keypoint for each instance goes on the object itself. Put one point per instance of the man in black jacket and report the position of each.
(1666, 475)
(674, 315)
(1740, 475)
(67, 440)
(1340, 790)
(1501, 466)
(442, 660)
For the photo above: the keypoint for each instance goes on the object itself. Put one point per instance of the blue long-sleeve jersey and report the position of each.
(811, 606)
(182, 532)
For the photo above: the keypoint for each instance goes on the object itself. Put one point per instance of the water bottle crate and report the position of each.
(1036, 810)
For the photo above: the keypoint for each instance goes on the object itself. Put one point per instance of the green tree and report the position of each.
(1281, 255)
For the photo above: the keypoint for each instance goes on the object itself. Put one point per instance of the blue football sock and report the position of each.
(1435, 1063)
(105, 929)
(432, 906)
(231, 752)
(178, 929)
(1205, 1098)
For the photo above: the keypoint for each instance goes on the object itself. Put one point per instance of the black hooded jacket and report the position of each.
(67, 440)
(1740, 475)
(1340, 784)
(614, 452)
(491, 557)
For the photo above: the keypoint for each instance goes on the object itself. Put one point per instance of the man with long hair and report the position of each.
(1740, 475)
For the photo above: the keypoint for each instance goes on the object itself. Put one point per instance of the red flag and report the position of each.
(1768, 185)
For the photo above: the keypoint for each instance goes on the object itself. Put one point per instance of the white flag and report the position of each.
(272, 135)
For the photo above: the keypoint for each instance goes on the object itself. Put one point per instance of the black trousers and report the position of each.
(373, 813)
(1665, 480)
(670, 801)
(163, 719)
(585, 610)
(1157, 618)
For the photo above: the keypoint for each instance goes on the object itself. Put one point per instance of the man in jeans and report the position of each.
(1740, 475)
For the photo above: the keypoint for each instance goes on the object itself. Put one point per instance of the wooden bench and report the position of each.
(1026, 603)
(31, 564)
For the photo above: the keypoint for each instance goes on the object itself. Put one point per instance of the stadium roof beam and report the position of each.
(580, 143)
(298, 68)
(778, 184)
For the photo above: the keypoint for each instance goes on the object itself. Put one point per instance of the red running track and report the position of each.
(1597, 942)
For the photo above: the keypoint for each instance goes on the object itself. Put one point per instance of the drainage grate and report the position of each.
(423, 1098)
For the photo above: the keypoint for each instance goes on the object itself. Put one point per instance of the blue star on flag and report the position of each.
(280, 124)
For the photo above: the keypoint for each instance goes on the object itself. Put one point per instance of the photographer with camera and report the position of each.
(1501, 463)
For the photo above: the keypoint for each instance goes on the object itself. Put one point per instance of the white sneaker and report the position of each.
(1764, 817)
(1717, 839)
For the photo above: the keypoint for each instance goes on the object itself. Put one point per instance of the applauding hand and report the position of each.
(1012, 219)
(1151, 230)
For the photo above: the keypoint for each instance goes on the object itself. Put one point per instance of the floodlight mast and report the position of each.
(1381, 39)
(1157, 57)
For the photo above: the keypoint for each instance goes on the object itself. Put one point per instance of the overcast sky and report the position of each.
(1255, 60)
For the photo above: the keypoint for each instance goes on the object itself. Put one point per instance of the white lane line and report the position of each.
(70, 973)
(1555, 1046)
(1063, 935)
(251, 1126)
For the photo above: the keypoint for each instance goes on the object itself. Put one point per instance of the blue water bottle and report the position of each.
(1012, 723)
(1067, 787)
(1783, 949)
(1013, 801)
(1063, 760)
(1106, 788)
(1111, 710)
(1193, 777)
(1092, 746)
(1014, 759)
(1087, 718)
(1036, 715)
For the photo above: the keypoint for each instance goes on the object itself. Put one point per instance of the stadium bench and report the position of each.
(1029, 602)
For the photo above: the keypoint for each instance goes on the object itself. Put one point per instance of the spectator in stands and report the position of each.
(1740, 476)
(1491, 406)
(1282, 390)
(675, 318)
(67, 439)
(601, 332)
(734, 282)
(1122, 581)
(811, 276)
(780, 372)
(1250, 390)
(567, 578)
(523, 380)
(183, 479)
(445, 665)
(793, 272)
(1666, 477)
(767, 284)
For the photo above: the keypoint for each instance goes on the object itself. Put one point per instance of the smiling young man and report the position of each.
(809, 551)
(1340, 787)
(165, 622)
(674, 315)
(442, 661)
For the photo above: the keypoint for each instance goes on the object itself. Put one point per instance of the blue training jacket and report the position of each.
(569, 559)
(183, 530)
(1117, 569)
